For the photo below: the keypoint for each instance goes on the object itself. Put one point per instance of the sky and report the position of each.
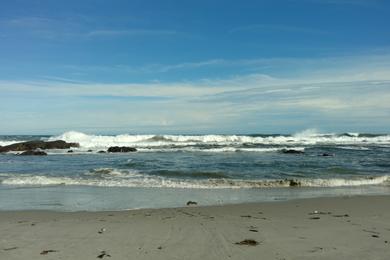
(194, 67)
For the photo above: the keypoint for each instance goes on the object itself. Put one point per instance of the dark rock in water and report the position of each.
(33, 145)
(89, 151)
(292, 151)
(294, 183)
(189, 203)
(70, 151)
(123, 149)
(30, 152)
(102, 152)
(327, 154)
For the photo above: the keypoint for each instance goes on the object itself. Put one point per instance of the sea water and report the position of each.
(169, 170)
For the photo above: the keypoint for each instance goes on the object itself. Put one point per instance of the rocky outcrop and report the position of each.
(123, 149)
(34, 145)
(30, 152)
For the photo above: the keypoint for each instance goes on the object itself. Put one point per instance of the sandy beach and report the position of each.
(321, 228)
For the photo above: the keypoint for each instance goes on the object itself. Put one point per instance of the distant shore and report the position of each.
(321, 228)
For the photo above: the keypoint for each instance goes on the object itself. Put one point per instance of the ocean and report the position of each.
(169, 170)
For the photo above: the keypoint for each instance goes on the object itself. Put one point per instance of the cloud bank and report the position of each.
(352, 96)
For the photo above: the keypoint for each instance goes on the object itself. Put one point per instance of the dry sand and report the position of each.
(323, 228)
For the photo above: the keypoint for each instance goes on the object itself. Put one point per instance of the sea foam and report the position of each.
(117, 178)
(304, 138)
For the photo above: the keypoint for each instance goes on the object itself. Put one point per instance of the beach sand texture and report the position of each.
(321, 228)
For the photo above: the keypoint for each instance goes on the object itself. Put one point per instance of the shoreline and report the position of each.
(94, 199)
(353, 227)
(196, 206)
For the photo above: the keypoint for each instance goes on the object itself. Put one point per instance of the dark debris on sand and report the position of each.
(10, 248)
(248, 242)
(103, 254)
(189, 203)
(45, 252)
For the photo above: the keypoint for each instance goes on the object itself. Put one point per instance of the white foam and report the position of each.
(142, 141)
(308, 133)
(5, 143)
(143, 181)
(100, 141)
(346, 182)
(111, 172)
(220, 149)
(359, 148)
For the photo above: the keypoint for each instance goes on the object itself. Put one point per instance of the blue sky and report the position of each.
(276, 66)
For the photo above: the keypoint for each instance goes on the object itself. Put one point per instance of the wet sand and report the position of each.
(321, 228)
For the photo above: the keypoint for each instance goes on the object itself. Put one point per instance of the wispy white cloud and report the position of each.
(74, 28)
(309, 74)
(365, 3)
(130, 32)
(183, 66)
(330, 92)
(363, 66)
(198, 110)
(28, 22)
(277, 28)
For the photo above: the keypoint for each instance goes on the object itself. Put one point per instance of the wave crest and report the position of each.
(309, 137)
(145, 181)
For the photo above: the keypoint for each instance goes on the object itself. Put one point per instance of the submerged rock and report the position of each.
(294, 183)
(292, 151)
(122, 149)
(33, 145)
(30, 152)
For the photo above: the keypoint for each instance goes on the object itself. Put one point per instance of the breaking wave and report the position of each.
(308, 137)
(5, 143)
(117, 178)
(220, 149)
